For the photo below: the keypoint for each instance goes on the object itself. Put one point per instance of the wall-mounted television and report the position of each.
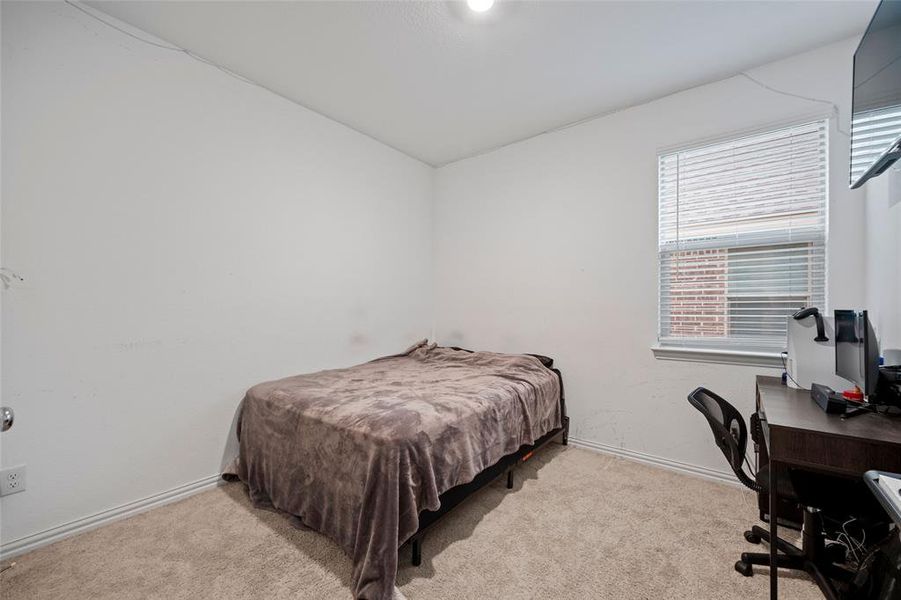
(876, 110)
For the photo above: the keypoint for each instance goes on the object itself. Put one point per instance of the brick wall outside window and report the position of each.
(699, 304)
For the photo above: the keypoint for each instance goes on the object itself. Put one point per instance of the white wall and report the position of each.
(549, 246)
(883, 252)
(182, 235)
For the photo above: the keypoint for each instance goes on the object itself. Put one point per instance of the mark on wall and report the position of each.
(359, 339)
(9, 278)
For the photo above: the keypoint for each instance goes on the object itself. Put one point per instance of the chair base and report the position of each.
(813, 557)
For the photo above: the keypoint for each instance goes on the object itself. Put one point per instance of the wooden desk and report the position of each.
(798, 433)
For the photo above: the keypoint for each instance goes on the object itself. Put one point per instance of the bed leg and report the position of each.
(510, 479)
(417, 551)
(565, 439)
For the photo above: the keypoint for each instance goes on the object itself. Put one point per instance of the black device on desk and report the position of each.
(828, 399)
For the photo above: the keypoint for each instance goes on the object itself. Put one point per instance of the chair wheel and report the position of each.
(752, 537)
(744, 568)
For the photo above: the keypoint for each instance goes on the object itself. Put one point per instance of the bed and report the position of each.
(373, 455)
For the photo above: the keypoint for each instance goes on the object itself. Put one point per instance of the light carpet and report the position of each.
(576, 525)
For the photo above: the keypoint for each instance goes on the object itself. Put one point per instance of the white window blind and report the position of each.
(742, 233)
(871, 133)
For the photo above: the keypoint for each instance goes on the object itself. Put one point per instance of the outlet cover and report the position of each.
(12, 480)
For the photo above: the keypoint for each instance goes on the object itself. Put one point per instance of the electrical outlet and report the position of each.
(12, 480)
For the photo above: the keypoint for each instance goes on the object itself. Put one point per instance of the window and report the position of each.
(742, 238)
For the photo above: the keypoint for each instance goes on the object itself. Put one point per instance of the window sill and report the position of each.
(718, 356)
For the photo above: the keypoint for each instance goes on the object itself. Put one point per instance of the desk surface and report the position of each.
(790, 408)
(798, 432)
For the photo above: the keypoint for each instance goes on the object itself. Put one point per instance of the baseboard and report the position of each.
(657, 461)
(48, 536)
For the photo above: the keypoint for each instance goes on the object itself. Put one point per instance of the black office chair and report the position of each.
(731, 435)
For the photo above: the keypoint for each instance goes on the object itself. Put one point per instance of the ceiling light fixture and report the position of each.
(479, 6)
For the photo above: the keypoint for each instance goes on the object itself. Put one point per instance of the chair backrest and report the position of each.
(729, 430)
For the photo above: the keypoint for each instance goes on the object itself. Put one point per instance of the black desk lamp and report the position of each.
(815, 313)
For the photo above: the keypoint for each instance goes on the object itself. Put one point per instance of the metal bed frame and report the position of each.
(456, 495)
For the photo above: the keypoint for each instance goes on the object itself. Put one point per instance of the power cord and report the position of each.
(857, 548)
(783, 355)
(178, 49)
(801, 97)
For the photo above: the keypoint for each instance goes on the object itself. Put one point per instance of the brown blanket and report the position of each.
(357, 453)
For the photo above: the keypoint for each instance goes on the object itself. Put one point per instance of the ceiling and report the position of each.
(440, 83)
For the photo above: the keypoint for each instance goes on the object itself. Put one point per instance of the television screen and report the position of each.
(876, 112)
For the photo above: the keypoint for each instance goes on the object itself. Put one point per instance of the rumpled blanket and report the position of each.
(358, 453)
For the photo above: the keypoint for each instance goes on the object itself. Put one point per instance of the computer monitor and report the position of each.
(856, 350)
